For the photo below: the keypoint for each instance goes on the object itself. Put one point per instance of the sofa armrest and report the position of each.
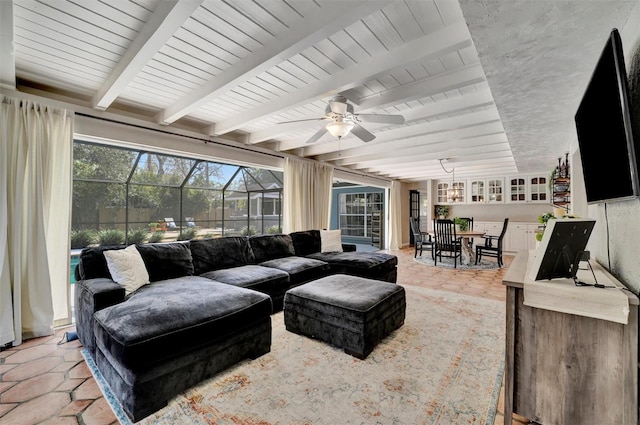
(348, 247)
(92, 295)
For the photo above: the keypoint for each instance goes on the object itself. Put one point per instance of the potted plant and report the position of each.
(153, 226)
(442, 211)
(543, 219)
(461, 224)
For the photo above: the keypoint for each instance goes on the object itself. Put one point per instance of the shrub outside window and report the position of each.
(123, 195)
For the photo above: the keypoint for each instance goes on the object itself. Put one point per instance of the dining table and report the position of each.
(467, 255)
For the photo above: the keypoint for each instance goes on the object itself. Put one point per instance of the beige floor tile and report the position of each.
(29, 370)
(37, 409)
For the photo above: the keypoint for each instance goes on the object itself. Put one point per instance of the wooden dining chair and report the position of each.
(492, 245)
(447, 243)
(420, 239)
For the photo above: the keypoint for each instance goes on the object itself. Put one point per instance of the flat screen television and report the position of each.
(608, 149)
(563, 243)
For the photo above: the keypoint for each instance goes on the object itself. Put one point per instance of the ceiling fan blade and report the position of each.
(303, 120)
(385, 119)
(317, 135)
(362, 133)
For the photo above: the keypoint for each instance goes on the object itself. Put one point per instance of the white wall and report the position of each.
(615, 242)
(498, 212)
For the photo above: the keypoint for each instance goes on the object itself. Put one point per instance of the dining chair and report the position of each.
(447, 243)
(420, 239)
(489, 248)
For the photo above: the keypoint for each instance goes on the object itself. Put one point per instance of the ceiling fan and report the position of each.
(343, 121)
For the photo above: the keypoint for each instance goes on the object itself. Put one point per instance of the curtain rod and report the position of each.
(205, 139)
(87, 112)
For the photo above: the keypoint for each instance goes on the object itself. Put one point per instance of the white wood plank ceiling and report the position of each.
(234, 69)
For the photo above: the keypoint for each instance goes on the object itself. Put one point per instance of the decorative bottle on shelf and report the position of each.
(566, 165)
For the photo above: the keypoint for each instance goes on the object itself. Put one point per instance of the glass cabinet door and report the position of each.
(517, 189)
(476, 191)
(495, 190)
(441, 194)
(538, 189)
(460, 193)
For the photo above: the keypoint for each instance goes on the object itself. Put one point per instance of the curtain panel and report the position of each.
(306, 195)
(35, 214)
(395, 216)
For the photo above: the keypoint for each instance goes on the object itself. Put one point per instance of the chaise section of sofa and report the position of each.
(167, 335)
(172, 334)
(372, 265)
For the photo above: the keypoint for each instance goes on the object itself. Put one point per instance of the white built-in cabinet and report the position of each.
(527, 189)
(442, 188)
(522, 236)
(485, 191)
(519, 235)
(539, 189)
(520, 189)
(441, 192)
(477, 192)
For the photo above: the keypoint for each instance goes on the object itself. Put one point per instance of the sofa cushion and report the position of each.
(366, 264)
(269, 247)
(306, 242)
(167, 260)
(220, 253)
(127, 268)
(264, 279)
(92, 263)
(168, 318)
(300, 269)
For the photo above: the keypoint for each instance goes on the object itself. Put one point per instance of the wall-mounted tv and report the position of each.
(608, 149)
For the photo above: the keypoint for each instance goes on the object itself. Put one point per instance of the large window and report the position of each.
(357, 211)
(123, 195)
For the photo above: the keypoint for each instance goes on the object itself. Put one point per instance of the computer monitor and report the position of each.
(562, 246)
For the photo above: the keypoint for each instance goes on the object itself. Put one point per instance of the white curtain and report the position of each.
(395, 215)
(35, 210)
(307, 195)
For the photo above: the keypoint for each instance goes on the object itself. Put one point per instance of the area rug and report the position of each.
(443, 366)
(448, 263)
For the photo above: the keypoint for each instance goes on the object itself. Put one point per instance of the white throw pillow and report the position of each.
(330, 241)
(127, 268)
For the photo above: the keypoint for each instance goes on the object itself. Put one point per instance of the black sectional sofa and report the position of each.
(208, 306)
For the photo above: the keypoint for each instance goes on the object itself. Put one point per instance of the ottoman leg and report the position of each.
(355, 354)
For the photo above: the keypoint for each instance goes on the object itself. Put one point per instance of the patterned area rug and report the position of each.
(448, 263)
(443, 366)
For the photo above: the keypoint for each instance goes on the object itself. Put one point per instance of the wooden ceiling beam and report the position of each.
(164, 22)
(298, 38)
(433, 45)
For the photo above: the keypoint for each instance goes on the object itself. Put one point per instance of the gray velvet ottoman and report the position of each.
(350, 312)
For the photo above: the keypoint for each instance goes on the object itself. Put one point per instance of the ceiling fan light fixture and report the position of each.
(339, 128)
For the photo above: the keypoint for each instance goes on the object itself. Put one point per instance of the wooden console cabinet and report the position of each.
(568, 369)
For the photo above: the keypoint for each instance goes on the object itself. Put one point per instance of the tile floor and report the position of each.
(42, 382)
